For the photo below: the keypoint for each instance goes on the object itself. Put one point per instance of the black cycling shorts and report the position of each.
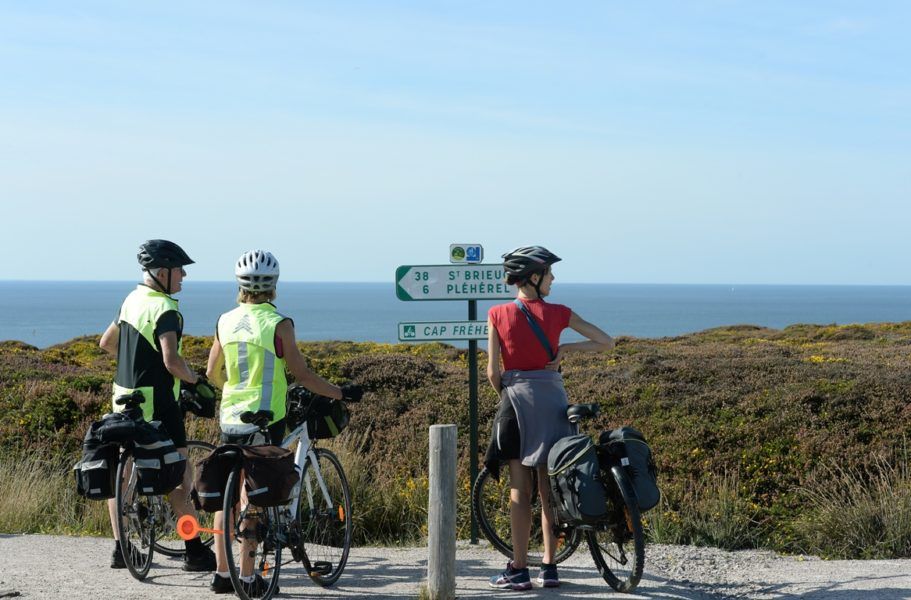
(276, 432)
(171, 417)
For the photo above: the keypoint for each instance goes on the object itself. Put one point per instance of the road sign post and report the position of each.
(473, 411)
(471, 282)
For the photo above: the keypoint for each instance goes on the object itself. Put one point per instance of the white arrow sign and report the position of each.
(452, 282)
(422, 331)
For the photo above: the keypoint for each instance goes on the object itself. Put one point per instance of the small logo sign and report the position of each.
(244, 324)
(466, 253)
(409, 332)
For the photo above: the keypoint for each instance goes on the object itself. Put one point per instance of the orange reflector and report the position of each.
(188, 527)
(341, 513)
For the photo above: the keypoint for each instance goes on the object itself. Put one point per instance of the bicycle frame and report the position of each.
(304, 453)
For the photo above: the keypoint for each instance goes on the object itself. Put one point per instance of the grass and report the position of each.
(715, 511)
(38, 495)
(859, 511)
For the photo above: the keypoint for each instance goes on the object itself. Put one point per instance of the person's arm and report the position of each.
(173, 362)
(110, 338)
(598, 340)
(493, 357)
(297, 364)
(216, 364)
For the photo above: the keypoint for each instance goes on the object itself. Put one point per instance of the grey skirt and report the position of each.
(539, 400)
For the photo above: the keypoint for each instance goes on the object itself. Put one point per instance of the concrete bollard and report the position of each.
(441, 513)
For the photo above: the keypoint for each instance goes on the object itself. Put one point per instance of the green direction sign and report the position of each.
(452, 282)
(424, 331)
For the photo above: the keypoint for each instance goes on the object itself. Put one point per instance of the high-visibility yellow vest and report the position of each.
(256, 375)
(140, 364)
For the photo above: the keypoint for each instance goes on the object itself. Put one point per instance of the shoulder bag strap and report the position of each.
(539, 333)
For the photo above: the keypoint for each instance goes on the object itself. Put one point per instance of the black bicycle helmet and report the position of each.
(155, 254)
(525, 261)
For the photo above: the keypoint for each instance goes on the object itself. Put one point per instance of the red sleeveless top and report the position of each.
(519, 346)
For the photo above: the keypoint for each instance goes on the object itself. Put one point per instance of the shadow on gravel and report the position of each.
(379, 578)
(855, 588)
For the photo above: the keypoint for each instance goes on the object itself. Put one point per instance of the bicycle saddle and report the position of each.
(582, 411)
(260, 418)
(130, 400)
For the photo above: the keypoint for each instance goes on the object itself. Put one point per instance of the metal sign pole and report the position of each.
(473, 411)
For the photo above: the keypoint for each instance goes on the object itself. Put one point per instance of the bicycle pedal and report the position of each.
(321, 567)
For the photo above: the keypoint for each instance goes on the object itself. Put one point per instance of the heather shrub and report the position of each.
(745, 423)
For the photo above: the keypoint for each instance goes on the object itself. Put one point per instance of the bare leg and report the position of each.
(221, 559)
(179, 498)
(520, 512)
(112, 502)
(112, 511)
(547, 523)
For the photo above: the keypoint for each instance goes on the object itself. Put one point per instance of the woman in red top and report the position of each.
(531, 381)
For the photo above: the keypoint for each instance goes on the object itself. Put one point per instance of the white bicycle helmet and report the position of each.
(256, 271)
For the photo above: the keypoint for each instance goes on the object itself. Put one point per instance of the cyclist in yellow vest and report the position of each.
(253, 345)
(146, 339)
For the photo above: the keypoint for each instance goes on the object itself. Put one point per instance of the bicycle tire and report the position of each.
(167, 541)
(267, 550)
(618, 547)
(325, 528)
(135, 528)
(490, 503)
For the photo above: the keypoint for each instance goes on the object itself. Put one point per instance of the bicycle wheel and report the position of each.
(167, 541)
(618, 547)
(324, 518)
(252, 543)
(490, 503)
(135, 522)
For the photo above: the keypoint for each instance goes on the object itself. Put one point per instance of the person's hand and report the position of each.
(198, 398)
(352, 392)
(204, 389)
(554, 365)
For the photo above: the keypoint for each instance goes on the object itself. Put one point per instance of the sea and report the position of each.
(44, 313)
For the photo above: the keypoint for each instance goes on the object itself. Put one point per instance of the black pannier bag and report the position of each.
(627, 447)
(269, 474)
(159, 466)
(212, 477)
(574, 471)
(96, 470)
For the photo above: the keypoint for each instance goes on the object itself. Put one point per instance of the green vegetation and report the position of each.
(788, 439)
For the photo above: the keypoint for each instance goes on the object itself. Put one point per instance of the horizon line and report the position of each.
(386, 282)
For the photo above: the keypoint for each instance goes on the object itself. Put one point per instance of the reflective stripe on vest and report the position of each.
(141, 310)
(256, 376)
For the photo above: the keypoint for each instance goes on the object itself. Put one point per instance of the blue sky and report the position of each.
(677, 142)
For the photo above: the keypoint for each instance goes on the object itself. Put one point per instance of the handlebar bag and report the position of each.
(327, 418)
(211, 480)
(269, 474)
(575, 481)
(627, 447)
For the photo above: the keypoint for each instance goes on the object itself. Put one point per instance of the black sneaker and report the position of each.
(117, 561)
(548, 576)
(199, 560)
(221, 585)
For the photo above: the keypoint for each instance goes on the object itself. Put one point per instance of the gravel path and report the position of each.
(76, 568)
